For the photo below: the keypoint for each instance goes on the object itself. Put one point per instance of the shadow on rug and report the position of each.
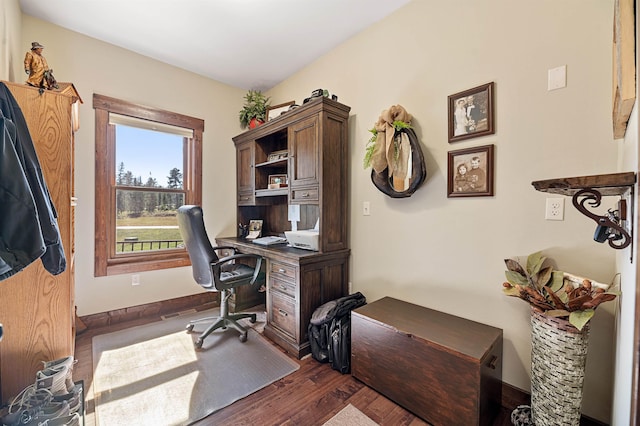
(152, 375)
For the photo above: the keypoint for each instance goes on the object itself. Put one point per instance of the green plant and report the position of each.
(556, 293)
(255, 106)
(371, 143)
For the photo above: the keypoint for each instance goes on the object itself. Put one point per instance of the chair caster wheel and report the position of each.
(243, 337)
(198, 343)
(252, 318)
(189, 328)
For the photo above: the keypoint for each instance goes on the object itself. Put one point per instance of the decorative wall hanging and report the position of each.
(470, 172)
(394, 154)
(471, 113)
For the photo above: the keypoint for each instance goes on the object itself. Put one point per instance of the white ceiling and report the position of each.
(251, 44)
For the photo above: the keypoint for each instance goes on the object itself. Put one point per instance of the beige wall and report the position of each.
(430, 250)
(11, 53)
(97, 67)
(446, 253)
(625, 319)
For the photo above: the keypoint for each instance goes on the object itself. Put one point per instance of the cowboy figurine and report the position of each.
(35, 66)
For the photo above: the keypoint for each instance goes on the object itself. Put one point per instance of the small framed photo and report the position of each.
(275, 111)
(278, 155)
(255, 229)
(278, 181)
(470, 172)
(471, 113)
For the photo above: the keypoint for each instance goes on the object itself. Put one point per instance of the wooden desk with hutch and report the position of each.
(315, 139)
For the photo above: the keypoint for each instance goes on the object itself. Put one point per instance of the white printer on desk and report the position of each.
(304, 239)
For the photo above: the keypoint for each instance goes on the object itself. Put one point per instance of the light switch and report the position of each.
(557, 78)
(366, 208)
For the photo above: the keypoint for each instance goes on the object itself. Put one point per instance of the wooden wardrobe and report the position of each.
(37, 308)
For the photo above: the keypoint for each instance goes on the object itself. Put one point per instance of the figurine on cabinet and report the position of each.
(35, 65)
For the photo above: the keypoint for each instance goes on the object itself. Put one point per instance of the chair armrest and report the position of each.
(235, 250)
(216, 265)
(236, 256)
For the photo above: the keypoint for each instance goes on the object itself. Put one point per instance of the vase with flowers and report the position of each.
(562, 305)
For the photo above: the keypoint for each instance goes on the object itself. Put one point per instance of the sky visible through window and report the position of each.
(148, 153)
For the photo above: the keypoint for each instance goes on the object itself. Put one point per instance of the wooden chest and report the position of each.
(445, 369)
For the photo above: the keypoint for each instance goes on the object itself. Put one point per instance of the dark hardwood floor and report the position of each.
(309, 396)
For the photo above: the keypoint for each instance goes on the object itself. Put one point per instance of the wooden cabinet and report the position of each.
(309, 146)
(443, 368)
(314, 138)
(304, 153)
(37, 308)
(246, 177)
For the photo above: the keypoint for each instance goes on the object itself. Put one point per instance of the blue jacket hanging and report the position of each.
(28, 225)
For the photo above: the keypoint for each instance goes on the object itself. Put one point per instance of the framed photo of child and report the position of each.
(471, 113)
(470, 172)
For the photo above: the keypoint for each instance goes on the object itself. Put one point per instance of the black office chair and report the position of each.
(215, 274)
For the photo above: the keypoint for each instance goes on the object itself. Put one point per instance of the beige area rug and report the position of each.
(350, 416)
(152, 375)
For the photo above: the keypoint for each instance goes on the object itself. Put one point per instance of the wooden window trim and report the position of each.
(106, 262)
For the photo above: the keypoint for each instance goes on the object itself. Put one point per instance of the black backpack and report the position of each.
(330, 331)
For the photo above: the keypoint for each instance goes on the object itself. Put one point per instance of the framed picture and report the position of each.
(278, 181)
(471, 113)
(470, 172)
(275, 111)
(255, 229)
(278, 155)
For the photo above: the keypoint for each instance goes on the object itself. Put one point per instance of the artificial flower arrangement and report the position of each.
(556, 293)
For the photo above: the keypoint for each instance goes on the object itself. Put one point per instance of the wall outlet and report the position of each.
(135, 279)
(554, 209)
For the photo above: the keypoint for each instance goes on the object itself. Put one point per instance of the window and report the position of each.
(148, 163)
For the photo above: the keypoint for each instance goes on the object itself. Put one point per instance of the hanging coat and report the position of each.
(21, 233)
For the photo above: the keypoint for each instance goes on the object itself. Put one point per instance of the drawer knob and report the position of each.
(305, 194)
(283, 287)
(283, 313)
(282, 271)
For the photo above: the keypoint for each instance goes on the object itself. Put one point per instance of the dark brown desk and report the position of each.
(298, 281)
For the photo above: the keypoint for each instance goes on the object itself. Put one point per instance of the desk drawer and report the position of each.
(283, 269)
(246, 198)
(283, 313)
(305, 194)
(283, 286)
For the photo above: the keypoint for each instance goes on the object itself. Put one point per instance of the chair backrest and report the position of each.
(196, 240)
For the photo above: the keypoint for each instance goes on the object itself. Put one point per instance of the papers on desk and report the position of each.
(269, 241)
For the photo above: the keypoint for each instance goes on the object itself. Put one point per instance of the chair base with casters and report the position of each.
(223, 321)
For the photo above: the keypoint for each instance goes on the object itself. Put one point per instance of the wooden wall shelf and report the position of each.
(611, 184)
(587, 192)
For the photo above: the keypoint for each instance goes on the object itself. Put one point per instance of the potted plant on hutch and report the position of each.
(254, 111)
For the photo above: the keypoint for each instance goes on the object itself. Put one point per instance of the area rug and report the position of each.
(152, 375)
(350, 416)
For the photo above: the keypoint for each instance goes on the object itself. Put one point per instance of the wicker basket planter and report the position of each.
(558, 360)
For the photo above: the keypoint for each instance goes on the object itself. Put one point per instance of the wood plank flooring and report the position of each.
(309, 396)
